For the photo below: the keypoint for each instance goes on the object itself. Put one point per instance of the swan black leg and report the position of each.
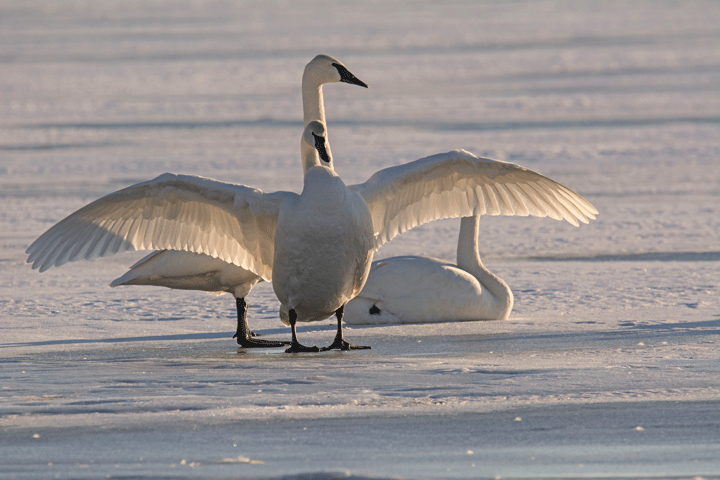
(295, 346)
(339, 343)
(245, 336)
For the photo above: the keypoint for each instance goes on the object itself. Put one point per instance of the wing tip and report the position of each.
(119, 281)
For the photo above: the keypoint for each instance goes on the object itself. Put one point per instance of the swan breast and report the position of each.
(323, 247)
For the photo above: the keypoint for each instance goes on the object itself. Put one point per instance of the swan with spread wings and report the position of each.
(195, 271)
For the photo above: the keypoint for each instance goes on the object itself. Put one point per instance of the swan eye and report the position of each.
(374, 310)
(347, 77)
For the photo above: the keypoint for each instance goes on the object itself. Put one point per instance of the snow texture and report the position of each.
(608, 365)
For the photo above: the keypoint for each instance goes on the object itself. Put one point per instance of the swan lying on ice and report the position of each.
(412, 289)
(284, 237)
(195, 271)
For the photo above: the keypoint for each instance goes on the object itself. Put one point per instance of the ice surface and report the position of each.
(616, 324)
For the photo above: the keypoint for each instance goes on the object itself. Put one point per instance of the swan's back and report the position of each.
(189, 271)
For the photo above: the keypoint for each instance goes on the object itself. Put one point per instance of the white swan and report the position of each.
(412, 289)
(195, 271)
(287, 234)
(324, 245)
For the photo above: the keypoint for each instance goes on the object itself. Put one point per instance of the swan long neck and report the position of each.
(312, 96)
(313, 109)
(468, 259)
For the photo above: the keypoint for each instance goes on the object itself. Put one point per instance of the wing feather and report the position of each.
(521, 205)
(547, 204)
(585, 207)
(570, 212)
(457, 184)
(479, 201)
(172, 212)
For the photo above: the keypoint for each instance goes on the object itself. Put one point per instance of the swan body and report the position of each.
(414, 289)
(184, 270)
(324, 245)
(252, 229)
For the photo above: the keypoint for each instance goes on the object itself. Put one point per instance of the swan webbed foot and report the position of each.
(245, 337)
(247, 342)
(296, 347)
(341, 344)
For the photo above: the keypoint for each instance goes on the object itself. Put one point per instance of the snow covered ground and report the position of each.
(608, 365)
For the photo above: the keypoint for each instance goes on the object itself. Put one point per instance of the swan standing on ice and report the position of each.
(324, 245)
(412, 289)
(285, 233)
(195, 271)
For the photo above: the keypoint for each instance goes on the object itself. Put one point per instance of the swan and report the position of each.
(316, 247)
(195, 271)
(412, 289)
(324, 244)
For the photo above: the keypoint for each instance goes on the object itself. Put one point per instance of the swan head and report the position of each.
(366, 311)
(315, 148)
(325, 69)
(320, 147)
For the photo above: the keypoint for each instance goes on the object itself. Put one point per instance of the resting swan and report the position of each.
(196, 271)
(411, 289)
(315, 247)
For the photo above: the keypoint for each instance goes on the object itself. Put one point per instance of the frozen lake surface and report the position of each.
(608, 365)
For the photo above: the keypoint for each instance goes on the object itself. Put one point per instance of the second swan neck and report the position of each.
(468, 259)
(468, 255)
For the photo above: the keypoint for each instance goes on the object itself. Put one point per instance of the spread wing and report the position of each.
(231, 222)
(458, 184)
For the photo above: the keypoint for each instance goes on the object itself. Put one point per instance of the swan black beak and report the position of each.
(320, 147)
(347, 77)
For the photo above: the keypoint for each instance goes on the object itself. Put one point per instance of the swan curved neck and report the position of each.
(468, 259)
(309, 156)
